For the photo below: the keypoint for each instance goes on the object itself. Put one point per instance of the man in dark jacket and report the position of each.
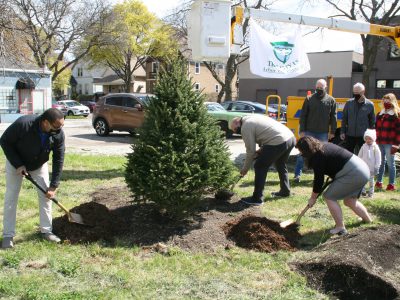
(358, 116)
(27, 144)
(317, 119)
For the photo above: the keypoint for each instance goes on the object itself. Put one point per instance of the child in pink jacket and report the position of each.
(371, 154)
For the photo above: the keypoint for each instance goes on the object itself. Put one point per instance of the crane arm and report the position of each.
(392, 32)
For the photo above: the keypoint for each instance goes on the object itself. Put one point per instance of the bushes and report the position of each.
(180, 152)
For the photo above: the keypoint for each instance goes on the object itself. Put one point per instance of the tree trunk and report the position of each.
(370, 45)
(230, 72)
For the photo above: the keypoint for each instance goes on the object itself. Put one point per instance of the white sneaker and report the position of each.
(51, 237)
(7, 243)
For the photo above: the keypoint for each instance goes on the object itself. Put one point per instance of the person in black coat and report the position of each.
(27, 144)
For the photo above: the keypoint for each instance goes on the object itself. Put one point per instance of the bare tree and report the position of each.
(380, 12)
(56, 30)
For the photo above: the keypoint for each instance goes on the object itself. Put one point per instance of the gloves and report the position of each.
(394, 149)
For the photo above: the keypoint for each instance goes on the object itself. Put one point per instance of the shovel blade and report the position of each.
(286, 223)
(75, 218)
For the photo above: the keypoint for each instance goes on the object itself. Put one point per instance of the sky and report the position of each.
(321, 40)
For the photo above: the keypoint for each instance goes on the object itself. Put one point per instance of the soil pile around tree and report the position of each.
(362, 265)
(111, 216)
(261, 234)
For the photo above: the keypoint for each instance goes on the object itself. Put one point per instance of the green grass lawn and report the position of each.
(36, 269)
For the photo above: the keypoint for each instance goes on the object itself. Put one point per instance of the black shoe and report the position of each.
(251, 201)
(296, 179)
(279, 195)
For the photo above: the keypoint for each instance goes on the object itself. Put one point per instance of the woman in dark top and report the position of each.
(349, 174)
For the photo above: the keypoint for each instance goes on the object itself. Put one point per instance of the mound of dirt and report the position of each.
(258, 233)
(111, 215)
(100, 224)
(362, 265)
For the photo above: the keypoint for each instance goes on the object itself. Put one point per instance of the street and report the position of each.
(81, 138)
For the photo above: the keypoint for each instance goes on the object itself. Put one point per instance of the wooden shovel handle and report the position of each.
(302, 213)
(30, 178)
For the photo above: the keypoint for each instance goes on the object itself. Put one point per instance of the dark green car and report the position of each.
(223, 117)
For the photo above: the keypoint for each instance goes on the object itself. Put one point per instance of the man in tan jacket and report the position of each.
(275, 141)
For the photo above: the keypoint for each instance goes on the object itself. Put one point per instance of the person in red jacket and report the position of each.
(388, 138)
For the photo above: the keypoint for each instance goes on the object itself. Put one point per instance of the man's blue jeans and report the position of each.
(389, 159)
(323, 137)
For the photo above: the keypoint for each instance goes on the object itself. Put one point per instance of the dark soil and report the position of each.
(362, 265)
(111, 216)
(262, 234)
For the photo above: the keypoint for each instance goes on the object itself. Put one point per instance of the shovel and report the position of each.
(227, 194)
(72, 217)
(289, 222)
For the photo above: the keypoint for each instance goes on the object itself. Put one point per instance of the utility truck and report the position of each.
(215, 32)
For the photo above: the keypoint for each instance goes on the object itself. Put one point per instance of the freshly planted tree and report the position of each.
(180, 152)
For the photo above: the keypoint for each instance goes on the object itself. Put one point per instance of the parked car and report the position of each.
(55, 104)
(249, 107)
(283, 109)
(223, 117)
(74, 108)
(120, 112)
(88, 103)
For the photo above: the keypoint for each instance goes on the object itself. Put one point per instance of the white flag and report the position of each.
(276, 56)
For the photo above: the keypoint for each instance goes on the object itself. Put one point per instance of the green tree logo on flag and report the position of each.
(282, 51)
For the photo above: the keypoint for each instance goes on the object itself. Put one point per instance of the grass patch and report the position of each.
(36, 269)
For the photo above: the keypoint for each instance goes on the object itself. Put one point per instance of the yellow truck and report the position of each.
(295, 103)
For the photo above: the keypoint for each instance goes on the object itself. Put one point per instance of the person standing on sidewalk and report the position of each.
(318, 119)
(275, 141)
(358, 116)
(27, 144)
(388, 138)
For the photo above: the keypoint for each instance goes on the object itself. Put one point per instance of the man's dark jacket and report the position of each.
(357, 117)
(22, 146)
(318, 114)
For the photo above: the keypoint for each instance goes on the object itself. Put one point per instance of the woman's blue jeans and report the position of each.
(323, 137)
(389, 159)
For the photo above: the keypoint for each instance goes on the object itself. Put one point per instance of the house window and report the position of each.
(154, 66)
(217, 88)
(197, 68)
(381, 84)
(396, 84)
(197, 86)
(80, 72)
(8, 100)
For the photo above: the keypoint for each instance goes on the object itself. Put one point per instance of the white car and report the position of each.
(74, 108)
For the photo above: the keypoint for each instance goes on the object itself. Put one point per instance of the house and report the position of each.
(201, 77)
(90, 81)
(344, 66)
(23, 90)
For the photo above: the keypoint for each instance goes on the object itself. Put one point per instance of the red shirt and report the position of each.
(387, 129)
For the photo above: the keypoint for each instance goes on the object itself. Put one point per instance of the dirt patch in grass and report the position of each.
(362, 265)
(111, 216)
(258, 233)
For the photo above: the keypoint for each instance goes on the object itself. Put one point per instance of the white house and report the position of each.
(103, 79)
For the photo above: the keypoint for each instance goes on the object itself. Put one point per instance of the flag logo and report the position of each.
(282, 51)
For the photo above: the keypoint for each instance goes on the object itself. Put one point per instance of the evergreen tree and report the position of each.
(180, 153)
